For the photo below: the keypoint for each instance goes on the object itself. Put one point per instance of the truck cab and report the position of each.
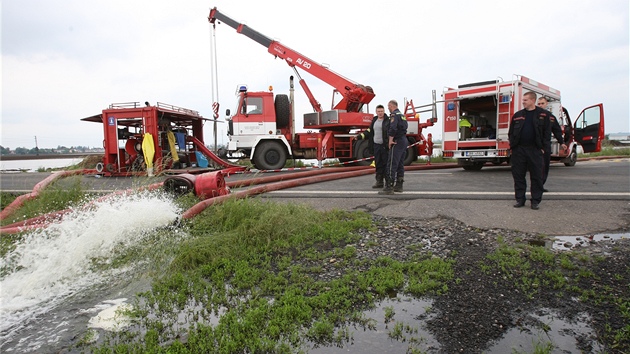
(260, 129)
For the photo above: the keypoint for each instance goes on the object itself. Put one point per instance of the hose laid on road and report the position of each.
(332, 175)
(299, 179)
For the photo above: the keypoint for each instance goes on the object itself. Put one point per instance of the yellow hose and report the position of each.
(171, 144)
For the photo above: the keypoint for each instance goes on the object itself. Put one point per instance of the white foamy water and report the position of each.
(52, 264)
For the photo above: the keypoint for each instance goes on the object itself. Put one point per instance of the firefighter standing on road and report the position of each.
(557, 132)
(377, 138)
(529, 134)
(397, 143)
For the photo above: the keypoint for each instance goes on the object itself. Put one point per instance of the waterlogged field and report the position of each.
(125, 275)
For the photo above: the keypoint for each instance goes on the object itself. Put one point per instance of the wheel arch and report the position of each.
(280, 138)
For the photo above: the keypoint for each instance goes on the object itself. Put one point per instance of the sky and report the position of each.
(63, 60)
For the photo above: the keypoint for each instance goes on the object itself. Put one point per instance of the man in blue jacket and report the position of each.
(397, 143)
(529, 134)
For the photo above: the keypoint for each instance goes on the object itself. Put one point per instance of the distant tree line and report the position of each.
(47, 151)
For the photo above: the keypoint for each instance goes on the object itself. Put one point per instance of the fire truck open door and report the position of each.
(589, 128)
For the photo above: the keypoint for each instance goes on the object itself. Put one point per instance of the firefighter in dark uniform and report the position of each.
(397, 143)
(377, 143)
(529, 134)
(557, 132)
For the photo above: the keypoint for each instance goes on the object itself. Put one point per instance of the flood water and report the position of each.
(570, 242)
(52, 282)
(34, 165)
(398, 327)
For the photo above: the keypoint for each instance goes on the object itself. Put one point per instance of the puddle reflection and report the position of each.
(397, 327)
(571, 242)
(546, 332)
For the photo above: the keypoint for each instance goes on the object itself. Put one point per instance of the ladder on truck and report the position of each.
(504, 99)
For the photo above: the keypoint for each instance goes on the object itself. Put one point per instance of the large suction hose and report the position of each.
(19, 201)
(201, 206)
(46, 219)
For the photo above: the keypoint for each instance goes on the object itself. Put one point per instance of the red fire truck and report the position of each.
(263, 127)
(477, 118)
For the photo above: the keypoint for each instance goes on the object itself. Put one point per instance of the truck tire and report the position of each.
(410, 154)
(572, 158)
(361, 151)
(475, 166)
(270, 155)
(283, 111)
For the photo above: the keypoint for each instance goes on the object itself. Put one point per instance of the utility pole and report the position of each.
(36, 147)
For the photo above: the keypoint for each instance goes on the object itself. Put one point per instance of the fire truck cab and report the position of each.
(477, 119)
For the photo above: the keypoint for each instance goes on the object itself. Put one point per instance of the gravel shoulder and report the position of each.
(555, 217)
(482, 306)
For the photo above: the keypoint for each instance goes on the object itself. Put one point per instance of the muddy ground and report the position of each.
(481, 306)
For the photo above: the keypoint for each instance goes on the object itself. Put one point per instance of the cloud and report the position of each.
(65, 60)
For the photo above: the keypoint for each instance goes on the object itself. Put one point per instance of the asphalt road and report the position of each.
(591, 197)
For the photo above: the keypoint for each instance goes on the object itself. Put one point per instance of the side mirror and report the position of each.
(227, 112)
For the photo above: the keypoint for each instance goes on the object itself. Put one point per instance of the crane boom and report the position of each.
(354, 95)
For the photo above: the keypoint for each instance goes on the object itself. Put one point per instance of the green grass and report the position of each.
(52, 198)
(244, 260)
(7, 198)
(608, 151)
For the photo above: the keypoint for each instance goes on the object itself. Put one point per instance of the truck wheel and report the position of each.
(270, 155)
(283, 111)
(410, 154)
(361, 151)
(571, 159)
(475, 166)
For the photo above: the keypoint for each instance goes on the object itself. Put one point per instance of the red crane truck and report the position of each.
(263, 127)
(477, 118)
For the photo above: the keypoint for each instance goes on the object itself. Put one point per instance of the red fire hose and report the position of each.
(212, 186)
(46, 219)
(300, 179)
(19, 201)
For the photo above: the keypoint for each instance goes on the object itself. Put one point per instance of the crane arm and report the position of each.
(354, 95)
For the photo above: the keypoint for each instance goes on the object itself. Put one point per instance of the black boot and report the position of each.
(379, 182)
(389, 187)
(399, 185)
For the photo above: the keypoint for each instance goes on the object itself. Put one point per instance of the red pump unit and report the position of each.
(127, 125)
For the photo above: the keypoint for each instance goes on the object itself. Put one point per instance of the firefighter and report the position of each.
(557, 132)
(397, 143)
(377, 143)
(529, 134)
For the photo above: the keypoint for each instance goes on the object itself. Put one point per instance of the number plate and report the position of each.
(475, 153)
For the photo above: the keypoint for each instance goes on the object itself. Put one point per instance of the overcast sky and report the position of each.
(63, 60)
